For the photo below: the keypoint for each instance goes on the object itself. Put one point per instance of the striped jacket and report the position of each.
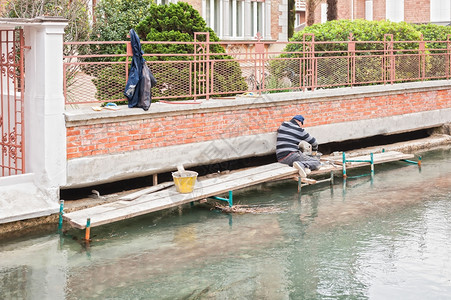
(289, 135)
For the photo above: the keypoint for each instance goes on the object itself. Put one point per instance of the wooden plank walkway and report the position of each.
(147, 203)
(120, 210)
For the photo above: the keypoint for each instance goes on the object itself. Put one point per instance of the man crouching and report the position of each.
(289, 135)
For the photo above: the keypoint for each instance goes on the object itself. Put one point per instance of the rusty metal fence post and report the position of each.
(422, 58)
(260, 64)
(308, 63)
(448, 56)
(388, 59)
(351, 60)
(201, 65)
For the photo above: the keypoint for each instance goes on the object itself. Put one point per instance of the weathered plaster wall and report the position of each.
(111, 145)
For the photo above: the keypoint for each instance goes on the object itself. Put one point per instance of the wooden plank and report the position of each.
(147, 203)
(168, 198)
(136, 208)
(149, 190)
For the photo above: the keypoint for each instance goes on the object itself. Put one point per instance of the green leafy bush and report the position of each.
(333, 62)
(178, 23)
(361, 30)
(432, 32)
(174, 22)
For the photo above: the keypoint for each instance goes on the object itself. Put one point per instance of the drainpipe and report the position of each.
(352, 10)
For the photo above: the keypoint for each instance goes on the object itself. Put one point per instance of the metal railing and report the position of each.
(204, 69)
(12, 110)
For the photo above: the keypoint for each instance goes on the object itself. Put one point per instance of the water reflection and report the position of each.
(385, 238)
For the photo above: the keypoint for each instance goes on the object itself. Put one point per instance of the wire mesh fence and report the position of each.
(96, 73)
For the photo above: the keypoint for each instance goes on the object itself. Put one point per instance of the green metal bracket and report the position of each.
(229, 200)
(371, 161)
(60, 222)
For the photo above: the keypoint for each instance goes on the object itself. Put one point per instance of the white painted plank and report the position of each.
(171, 192)
(169, 198)
(149, 190)
(148, 203)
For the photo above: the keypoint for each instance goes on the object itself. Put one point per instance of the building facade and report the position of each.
(411, 11)
(243, 20)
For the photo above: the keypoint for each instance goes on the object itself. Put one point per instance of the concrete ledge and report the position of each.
(107, 168)
(21, 199)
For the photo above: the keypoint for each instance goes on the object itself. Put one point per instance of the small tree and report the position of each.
(310, 8)
(173, 22)
(291, 17)
(75, 11)
(331, 10)
(178, 22)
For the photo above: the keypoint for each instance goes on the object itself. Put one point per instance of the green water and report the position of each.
(386, 238)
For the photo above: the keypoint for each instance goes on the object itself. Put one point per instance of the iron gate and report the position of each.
(12, 139)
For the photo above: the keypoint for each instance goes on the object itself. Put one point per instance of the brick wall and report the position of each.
(275, 15)
(359, 9)
(417, 11)
(187, 127)
(379, 10)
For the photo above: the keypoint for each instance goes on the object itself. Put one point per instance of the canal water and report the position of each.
(383, 238)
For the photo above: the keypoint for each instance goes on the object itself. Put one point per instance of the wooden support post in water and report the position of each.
(88, 230)
(60, 222)
(372, 164)
(344, 165)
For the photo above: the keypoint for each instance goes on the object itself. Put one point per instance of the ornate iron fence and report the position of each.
(12, 139)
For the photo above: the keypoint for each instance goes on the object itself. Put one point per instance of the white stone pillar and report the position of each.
(283, 21)
(267, 19)
(226, 20)
(204, 10)
(212, 16)
(44, 103)
(247, 20)
(234, 18)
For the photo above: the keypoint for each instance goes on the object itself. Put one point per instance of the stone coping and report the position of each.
(87, 116)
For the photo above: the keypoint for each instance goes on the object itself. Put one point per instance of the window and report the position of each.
(323, 12)
(369, 10)
(394, 10)
(230, 21)
(440, 10)
(164, 2)
(237, 18)
(257, 18)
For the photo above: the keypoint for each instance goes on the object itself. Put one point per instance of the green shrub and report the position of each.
(173, 22)
(334, 69)
(432, 32)
(361, 30)
(178, 23)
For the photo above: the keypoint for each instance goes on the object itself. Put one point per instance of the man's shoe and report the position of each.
(302, 173)
(307, 171)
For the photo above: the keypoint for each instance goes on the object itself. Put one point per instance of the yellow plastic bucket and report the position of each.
(184, 181)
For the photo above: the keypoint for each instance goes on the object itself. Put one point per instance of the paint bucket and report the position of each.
(184, 181)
